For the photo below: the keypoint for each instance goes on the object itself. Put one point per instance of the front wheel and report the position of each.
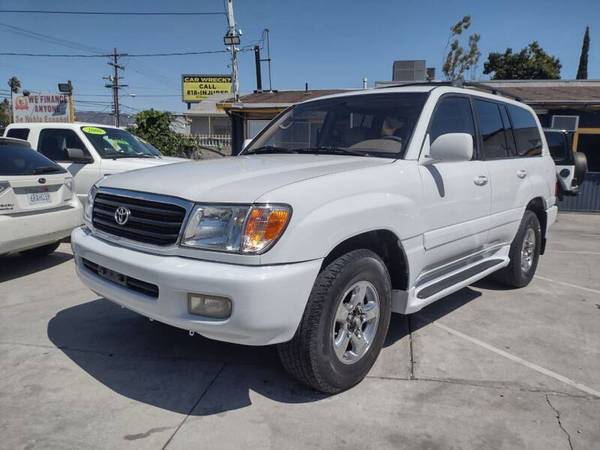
(344, 324)
(524, 253)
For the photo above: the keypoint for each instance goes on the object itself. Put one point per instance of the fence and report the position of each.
(219, 142)
(588, 198)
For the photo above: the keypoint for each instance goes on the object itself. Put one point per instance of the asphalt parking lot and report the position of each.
(483, 368)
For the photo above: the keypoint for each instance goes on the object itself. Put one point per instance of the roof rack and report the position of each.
(458, 84)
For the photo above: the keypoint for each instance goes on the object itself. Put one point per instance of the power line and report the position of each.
(115, 13)
(49, 39)
(107, 55)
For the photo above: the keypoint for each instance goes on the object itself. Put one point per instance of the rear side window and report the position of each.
(452, 115)
(526, 132)
(558, 145)
(54, 143)
(17, 160)
(491, 128)
(18, 133)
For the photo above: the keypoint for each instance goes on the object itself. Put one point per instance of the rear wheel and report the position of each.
(344, 324)
(524, 253)
(41, 251)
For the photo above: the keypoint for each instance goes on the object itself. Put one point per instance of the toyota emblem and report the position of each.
(122, 215)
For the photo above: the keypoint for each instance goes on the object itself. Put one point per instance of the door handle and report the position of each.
(521, 173)
(481, 180)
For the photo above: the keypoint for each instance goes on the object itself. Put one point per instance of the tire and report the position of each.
(41, 251)
(581, 166)
(311, 355)
(520, 271)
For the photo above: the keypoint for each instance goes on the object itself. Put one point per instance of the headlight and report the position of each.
(236, 229)
(89, 204)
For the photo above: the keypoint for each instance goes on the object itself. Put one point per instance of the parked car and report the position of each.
(341, 211)
(88, 151)
(571, 166)
(37, 205)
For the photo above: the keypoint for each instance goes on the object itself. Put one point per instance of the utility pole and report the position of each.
(114, 84)
(265, 34)
(258, 71)
(232, 39)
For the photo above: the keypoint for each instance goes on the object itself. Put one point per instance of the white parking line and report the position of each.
(594, 291)
(576, 252)
(518, 360)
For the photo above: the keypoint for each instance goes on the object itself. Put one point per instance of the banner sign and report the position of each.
(41, 107)
(196, 88)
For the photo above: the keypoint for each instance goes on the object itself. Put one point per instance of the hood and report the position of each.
(123, 164)
(240, 179)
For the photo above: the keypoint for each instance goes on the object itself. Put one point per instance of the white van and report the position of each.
(88, 151)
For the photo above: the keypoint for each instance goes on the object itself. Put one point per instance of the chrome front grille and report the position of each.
(148, 221)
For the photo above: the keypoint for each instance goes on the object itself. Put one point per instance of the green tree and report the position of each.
(582, 73)
(14, 84)
(458, 60)
(155, 127)
(531, 63)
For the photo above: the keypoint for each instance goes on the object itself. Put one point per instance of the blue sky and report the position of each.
(329, 44)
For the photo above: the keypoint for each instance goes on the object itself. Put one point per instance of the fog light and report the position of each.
(209, 306)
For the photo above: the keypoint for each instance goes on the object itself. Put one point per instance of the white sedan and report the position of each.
(37, 205)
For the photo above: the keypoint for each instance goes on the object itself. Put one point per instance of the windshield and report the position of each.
(150, 147)
(112, 143)
(378, 125)
(18, 160)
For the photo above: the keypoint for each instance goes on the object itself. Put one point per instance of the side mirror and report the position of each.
(79, 156)
(452, 147)
(246, 143)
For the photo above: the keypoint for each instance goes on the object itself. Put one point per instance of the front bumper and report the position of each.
(268, 301)
(20, 232)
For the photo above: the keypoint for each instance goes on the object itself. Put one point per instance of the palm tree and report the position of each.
(14, 84)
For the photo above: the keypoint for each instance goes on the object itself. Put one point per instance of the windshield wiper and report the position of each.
(269, 149)
(333, 150)
(121, 156)
(46, 169)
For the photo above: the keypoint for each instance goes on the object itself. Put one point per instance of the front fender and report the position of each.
(324, 217)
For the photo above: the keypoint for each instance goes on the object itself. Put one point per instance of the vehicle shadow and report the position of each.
(165, 367)
(17, 266)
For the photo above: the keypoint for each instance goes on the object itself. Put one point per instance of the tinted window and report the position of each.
(491, 129)
(18, 160)
(527, 135)
(55, 142)
(452, 115)
(18, 133)
(379, 125)
(510, 138)
(558, 145)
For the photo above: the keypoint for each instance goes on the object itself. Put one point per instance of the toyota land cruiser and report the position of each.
(341, 211)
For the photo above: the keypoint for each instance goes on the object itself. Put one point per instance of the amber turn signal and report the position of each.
(264, 226)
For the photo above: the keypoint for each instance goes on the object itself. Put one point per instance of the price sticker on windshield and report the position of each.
(93, 130)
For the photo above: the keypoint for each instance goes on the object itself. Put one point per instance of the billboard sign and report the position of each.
(196, 88)
(41, 107)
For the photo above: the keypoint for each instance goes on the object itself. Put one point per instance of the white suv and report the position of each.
(343, 210)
